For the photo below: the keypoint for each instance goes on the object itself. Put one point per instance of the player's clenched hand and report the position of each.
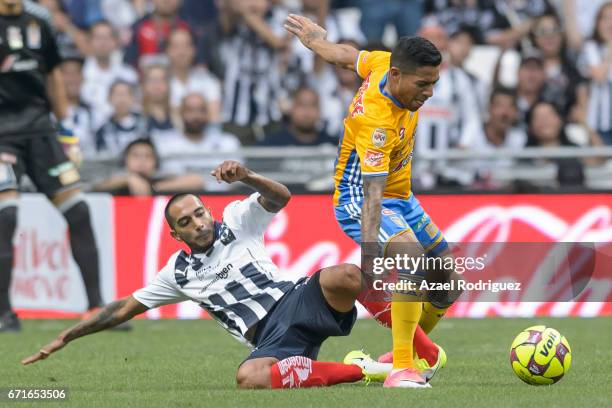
(230, 171)
(305, 29)
(44, 352)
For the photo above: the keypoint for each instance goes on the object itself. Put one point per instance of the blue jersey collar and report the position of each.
(381, 86)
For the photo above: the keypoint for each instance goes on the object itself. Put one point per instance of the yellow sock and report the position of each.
(405, 314)
(430, 316)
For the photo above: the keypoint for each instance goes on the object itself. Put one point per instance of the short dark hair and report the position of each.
(172, 200)
(105, 23)
(411, 53)
(141, 141)
(502, 90)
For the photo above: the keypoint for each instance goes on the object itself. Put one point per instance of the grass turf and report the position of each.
(192, 363)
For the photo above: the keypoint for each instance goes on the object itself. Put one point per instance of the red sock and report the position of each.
(302, 372)
(424, 347)
(380, 310)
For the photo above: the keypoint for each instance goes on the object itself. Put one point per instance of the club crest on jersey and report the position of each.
(402, 133)
(226, 235)
(373, 158)
(33, 35)
(14, 37)
(379, 137)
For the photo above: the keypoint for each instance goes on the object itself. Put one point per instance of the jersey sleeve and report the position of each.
(162, 291)
(374, 146)
(368, 61)
(248, 215)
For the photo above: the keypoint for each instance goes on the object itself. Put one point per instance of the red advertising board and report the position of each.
(305, 237)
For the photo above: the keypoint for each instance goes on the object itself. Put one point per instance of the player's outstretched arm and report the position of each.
(314, 36)
(274, 195)
(111, 315)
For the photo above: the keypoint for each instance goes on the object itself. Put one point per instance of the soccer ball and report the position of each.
(540, 355)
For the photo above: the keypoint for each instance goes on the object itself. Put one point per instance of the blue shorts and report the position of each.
(300, 322)
(397, 215)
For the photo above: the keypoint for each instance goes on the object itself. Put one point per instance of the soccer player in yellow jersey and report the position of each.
(373, 200)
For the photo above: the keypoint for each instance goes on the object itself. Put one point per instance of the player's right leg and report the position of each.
(8, 223)
(406, 309)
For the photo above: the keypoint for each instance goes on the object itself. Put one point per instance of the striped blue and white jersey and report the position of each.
(235, 280)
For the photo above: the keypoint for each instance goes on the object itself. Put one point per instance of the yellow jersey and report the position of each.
(378, 136)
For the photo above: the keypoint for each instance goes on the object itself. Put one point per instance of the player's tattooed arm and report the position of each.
(274, 195)
(314, 36)
(111, 315)
(373, 188)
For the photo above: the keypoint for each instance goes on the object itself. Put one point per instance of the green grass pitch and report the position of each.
(192, 364)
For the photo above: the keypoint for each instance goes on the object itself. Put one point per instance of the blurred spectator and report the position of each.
(580, 17)
(303, 126)
(243, 49)
(499, 131)
(512, 21)
(530, 84)
(123, 14)
(595, 65)
(450, 118)
(181, 152)
(198, 14)
(79, 112)
(149, 34)
(186, 78)
(156, 101)
(404, 15)
(103, 68)
(455, 14)
(71, 40)
(564, 82)
(460, 46)
(84, 13)
(124, 125)
(139, 175)
(548, 129)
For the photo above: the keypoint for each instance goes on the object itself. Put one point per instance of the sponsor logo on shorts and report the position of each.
(373, 158)
(432, 230)
(422, 221)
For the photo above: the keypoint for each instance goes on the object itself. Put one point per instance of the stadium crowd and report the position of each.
(155, 82)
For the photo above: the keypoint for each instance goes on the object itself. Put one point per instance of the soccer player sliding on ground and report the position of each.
(373, 202)
(229, 274)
